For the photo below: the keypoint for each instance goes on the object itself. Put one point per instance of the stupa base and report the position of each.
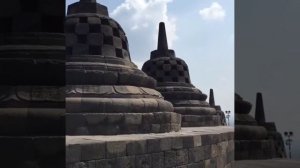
(201, 121)
(190, 147)
(254, 149)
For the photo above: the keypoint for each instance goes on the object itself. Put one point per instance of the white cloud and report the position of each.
(141, 17)
(214, 12)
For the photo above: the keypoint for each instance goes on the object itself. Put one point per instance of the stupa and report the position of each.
(173, 82)
(276, 137)
(32, 101)
(107, 93)
(251, 139)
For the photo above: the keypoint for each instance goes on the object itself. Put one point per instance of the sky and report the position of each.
(267, 60)
(200, 32)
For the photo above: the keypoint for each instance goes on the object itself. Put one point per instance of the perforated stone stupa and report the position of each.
(173, 82)
(107, 93)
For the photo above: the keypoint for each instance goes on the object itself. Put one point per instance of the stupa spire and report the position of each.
(162, 44)
(259, 109)
(211, 97)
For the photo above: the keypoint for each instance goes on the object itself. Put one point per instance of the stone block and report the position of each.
(177, 142)
(136, 147)
(133, 119)
(155, 128)
(92, 151)
(143, 161)
(170, 159)
(182, 157)
(115, 149)
(91, 164)
(196, 165)
(215, 150)
(192, 141)
(73, 153)
(196, 154)
(153, 145)
(158, 160)
(105, 163)
(207, 163)
(125, 162)
(165, 144)
(207, 151)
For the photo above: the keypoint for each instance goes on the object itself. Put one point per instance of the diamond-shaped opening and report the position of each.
(83, 20)
(95, 28)
(167, 73)
(119, 53)
(104, 21)
(108, 40)
(116, 32)
(69, 50)
(81, 38)
(95, 50)
(124, 45)
(160, 79)
(166, 62)
(174, 79)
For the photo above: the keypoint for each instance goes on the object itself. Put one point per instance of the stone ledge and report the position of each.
(121, 123)
(193, 146)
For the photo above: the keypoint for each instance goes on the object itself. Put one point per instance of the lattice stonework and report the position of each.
(168, 70)
(95, 35)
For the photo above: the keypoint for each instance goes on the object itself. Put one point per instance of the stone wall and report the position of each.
(189, 148)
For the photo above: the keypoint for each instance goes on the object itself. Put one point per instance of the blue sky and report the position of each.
(200, 32)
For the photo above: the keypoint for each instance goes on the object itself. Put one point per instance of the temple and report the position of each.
(115, 117)
(174, 83)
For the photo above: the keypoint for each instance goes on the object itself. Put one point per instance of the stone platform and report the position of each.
(191, 147)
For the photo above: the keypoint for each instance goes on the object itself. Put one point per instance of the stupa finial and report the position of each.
(259, 109)
(162, 38)
(211, 97)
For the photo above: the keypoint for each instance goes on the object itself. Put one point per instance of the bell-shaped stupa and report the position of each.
(173, 82)
(273, 134)
(107, 93)
(251, 139)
